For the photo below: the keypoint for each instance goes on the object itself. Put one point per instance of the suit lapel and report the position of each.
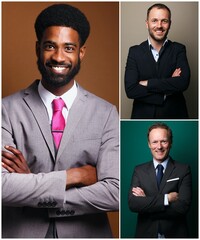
(168, 172)
(152, 174)
(75, 114)
(39, 112)
(147, 51)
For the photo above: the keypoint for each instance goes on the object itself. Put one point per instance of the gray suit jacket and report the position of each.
(90, 137)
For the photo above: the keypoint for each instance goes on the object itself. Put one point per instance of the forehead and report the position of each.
(159, 13)
(158, 133)
(60, 34)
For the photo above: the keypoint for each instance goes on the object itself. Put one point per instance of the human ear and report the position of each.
(82, 52)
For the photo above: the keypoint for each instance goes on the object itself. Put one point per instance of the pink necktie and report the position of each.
(58, 121)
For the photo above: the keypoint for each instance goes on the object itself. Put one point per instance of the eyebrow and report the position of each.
(67, 43)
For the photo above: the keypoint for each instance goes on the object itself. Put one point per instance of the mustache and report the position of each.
(161, 29)
(58, 64)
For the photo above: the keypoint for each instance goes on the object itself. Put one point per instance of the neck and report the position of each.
(156, 44)
(58, 91)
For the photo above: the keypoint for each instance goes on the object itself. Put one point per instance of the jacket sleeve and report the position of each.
(171, 85)
(155, 203)
(132, 77)
(149, 204)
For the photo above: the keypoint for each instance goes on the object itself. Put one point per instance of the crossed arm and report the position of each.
(14, 162)
(138, 192)
(176, 73)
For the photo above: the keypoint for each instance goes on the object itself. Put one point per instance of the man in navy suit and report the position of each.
(157, 71)
(162, 204)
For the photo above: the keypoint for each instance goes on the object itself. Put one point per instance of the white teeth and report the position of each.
(59, 69)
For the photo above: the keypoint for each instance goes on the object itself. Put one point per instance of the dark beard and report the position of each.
(158, 39)
(58, 80)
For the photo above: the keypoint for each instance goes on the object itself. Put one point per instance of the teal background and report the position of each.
(134, 150)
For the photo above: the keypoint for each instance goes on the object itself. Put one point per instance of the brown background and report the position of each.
(100, 67)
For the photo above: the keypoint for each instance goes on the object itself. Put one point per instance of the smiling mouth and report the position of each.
(60, 69)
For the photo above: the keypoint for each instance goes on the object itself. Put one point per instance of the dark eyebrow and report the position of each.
(67, 43)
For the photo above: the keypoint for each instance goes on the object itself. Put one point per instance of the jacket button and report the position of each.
(72, 212)
(58, 212)
(62, 212)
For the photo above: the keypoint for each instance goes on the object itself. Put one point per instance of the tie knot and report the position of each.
(160, 167)
(58, 104)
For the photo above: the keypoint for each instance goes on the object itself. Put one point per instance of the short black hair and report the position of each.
(159, 6)
(63, 15)
(163, 126)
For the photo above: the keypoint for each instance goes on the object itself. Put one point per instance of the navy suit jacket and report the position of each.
(163, 97)
(151, 209)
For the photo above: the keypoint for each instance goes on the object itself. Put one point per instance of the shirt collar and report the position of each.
(68, 97)
(150, 45)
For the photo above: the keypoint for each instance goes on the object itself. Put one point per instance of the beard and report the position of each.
(55, 79)
(158, 39)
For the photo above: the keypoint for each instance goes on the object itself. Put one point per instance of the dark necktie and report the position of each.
(159, 174)
(58, 121)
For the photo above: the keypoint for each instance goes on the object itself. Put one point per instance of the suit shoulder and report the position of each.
(13, 98)
(18, 96)
(97, 101)
(138, 47)
(177, 45)
(183, 167)
(143, 165)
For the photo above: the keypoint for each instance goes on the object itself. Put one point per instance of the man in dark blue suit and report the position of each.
(160, 190)
(157, 71)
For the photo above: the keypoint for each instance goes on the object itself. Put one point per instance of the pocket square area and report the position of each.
(173, 179)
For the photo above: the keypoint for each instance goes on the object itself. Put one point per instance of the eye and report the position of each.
(70, 48)
(48, 47)
(154, 20)
(165, 21)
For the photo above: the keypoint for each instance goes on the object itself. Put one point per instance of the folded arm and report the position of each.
(151, 89)
(179, 202)
(84, 190)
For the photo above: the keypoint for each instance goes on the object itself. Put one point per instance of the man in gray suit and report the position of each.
(65, 191)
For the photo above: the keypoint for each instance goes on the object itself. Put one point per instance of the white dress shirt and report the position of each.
(47, 98)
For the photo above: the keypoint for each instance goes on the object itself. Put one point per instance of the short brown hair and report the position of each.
(159, 6)
(163, 126)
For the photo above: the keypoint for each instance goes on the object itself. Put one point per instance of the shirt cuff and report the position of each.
(166, 202)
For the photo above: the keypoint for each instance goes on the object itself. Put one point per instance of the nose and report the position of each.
(58, 55)
(159, 145)
(159, 24)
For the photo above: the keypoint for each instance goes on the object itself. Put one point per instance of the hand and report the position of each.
(177, 72)
(138, 192)
(143, 82)
(172, 197)
(14, 161)
(82, 176)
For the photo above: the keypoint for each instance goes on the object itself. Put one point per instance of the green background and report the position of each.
(134, 150)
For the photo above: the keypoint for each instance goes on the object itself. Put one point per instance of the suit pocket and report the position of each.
(172, 186)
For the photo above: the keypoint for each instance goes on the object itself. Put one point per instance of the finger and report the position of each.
(11, 164)
(11, 159)
(7, 168)
(16, 152)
